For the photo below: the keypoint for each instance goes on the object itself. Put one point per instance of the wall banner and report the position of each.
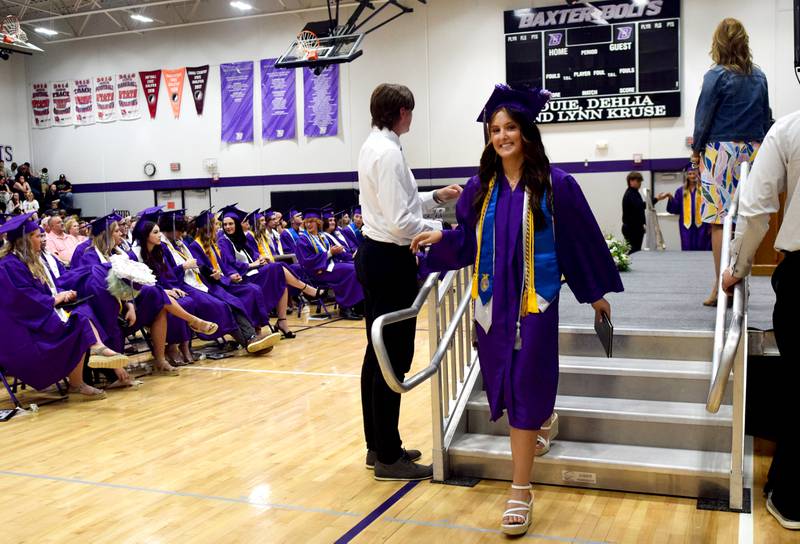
(236, 84)
(83, 97)
(151, 81)
(40, 103)
(173, 79)
(198, 78)
(105, 99)
(62, 103)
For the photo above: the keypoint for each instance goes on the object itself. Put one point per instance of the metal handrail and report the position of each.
(725, 351)
(379, 345)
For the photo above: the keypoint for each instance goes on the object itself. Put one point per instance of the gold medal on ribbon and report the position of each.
(485, 282)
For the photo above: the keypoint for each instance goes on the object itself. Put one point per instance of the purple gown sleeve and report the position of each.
(675, 203)
(458, 247)
(581, 249)
(252, 246)
(31, 300)
(288, 242)
(227, 261)
(311, 261)
(80, 254)
(173, 273)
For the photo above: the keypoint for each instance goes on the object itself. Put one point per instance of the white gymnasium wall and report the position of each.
(14, 124)
(449, 53)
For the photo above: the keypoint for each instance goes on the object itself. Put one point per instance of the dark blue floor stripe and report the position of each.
(375, 514)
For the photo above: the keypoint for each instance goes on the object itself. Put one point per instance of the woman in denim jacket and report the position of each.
(731, 119)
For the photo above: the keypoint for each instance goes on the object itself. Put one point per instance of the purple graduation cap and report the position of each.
(3, 218)
(312, 213)
(527, 101)
(268, 213)
(204, 218)
(233, 212)
(356, 211)
(99, 225)
(168, 219)
(19, 226)
(292, 212)
(252, 217)
(148, 214)
(327, 213)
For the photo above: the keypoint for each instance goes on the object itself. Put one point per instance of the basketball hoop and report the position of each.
(308, 43)
(11, 29)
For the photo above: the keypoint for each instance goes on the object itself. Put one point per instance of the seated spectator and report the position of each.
(5, 192)
(14, 206)
(72, 228)
(59, 243)
(30, 205)
(51, 200)
(21, 186)
(64, 188)
(5, 171)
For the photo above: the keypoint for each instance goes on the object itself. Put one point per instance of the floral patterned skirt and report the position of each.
(722, 163)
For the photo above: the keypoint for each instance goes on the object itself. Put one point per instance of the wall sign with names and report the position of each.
(612, 60)
(321, 101)
(278, 108)
(62, 103)
(128, 96)
(236, 85)
(40, 104)
(198, 78)
(105, 99)
(83, 95)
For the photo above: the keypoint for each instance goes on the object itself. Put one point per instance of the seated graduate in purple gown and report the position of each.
(325, 263)
(291, 234)
(523, 224)
(695, 235)
(334, 236)
(241, 262)
(186, 271)
(353, 229)
(42, 344)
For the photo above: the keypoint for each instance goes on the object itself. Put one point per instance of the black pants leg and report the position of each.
(245, 330)
(634, 236)
(784, 473)
(388, 275)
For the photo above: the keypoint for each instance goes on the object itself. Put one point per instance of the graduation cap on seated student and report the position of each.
(252, 218)
(172, 220)
(148, 215)
(232, 212)
(204, 218)
(16, 229)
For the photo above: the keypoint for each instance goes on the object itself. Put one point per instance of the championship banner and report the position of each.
(198, 78)
(82, 94)
(321, 95)
(105, 101)
(173, 79)
(62, 104)
(236, 84)
(151, 81)
(40, 103)
(278, 103)
(128, 96)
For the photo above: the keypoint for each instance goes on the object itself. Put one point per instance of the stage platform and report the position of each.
(665, 291)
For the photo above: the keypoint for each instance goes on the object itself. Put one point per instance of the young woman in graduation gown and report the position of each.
(241, 263)
(42, 344)
(524, 225)
(326, 263)
(686, 203)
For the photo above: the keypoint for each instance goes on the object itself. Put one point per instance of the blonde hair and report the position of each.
(103, 241)
(730, 46)
(23, 249)
(71, 221)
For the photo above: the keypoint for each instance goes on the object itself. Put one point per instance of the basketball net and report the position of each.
(308, 43)
(12, 30)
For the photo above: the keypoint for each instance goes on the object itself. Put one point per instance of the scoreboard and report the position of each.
(606, 60)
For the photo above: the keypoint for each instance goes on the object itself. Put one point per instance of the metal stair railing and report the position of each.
(730, 353)
(452, 355)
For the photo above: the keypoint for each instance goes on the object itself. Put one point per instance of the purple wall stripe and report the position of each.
(463, 172)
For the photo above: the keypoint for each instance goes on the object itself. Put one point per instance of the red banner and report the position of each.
(151, 82)
(198, 78)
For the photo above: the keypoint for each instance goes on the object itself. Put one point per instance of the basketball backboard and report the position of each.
(321, 52)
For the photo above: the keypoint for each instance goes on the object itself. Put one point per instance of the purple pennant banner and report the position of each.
(236, 82)
(278, 102)
(321, 101)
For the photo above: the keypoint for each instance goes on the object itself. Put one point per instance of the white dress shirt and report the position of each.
(776, 170)
(391, 206)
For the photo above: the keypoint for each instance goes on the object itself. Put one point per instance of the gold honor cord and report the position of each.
(687, 208)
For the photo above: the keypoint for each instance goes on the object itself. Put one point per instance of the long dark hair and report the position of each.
(155, 258)
(237, 238)
(535, 168)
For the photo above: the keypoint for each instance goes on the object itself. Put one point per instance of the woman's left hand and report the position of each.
(427, 238)
(601, 306)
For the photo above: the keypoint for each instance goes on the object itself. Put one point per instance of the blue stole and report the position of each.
(486, 260)
(317, 242)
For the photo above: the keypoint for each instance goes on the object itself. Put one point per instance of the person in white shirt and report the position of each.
(29, 204)
(776, 171)
(387, 270)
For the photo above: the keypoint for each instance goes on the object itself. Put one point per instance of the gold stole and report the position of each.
(687, 208)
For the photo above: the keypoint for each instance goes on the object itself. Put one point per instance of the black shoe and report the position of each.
(786, 523)
(402, 470)
(372, 456)
(348, 313)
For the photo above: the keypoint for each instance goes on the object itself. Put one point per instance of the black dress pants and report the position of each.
(388, 275)
(634, 236)
(784, 474)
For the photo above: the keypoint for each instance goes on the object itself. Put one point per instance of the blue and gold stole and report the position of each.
(318, 243)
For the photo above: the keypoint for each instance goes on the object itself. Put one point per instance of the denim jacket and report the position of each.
(731, 107)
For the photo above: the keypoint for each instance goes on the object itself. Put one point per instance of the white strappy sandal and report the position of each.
(542, 443)
(522, 509)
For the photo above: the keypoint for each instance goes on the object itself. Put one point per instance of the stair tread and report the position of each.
(645, 458)
(619, 366)
(691, 413)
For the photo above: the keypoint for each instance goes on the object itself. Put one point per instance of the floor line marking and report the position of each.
(169, 492)
(375, 514)
(269, 371)
(447, 525)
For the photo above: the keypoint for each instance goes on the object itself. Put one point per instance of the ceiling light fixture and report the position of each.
(45, 31)
(242, 6)
(141, 18)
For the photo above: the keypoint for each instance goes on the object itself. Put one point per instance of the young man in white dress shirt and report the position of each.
(387, 270)
(776, 170)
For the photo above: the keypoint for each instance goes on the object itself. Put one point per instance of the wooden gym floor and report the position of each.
(270, 449)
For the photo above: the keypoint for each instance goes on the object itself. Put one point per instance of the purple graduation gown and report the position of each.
(289, 238)
(247, 295)
(524, 382)
(694, 238)
(353, 235)
(271, 278)
(80, 252)
(38, 348)
(342, 279)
